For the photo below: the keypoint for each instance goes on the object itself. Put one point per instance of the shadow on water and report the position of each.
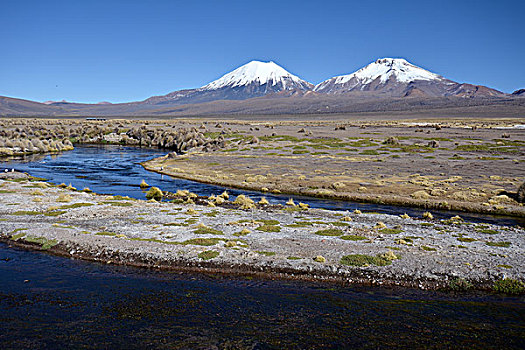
(53, 302)
(114, 169)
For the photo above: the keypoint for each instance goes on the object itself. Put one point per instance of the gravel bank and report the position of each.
(288, 242)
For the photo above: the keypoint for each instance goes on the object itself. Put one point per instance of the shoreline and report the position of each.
(408, 252)
(155, 165)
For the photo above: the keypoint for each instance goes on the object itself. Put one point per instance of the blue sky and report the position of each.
(91, 51)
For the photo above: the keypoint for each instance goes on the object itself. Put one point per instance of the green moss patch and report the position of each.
(203, 241)
(498, 244)
(428, 249)
(390, 231)
(44, 243)
(106, 233)
(76, 205)
(27, 212)
(329, 232)
(269, 222)
(364, 260)
(487, 231)
(509, 286)
(208, 254)
(269, 228)
(207, 231)
(353, 238)
(466, 239)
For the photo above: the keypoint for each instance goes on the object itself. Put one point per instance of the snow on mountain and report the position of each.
(380, 72)
(259, 73)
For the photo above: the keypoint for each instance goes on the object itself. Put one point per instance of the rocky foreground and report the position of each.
(245, 238)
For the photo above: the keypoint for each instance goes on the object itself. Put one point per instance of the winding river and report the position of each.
(53, 302)
(116, 170)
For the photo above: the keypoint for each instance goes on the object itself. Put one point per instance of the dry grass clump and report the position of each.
(357, 212)
(244, 202)
(191, 211)
(264, 201)
(37, 193)
(379, 225)
(338, 186)
(143, 184)
(303, 206)
(428, 215)
(320, 259)
(290, 202)
(64, 198)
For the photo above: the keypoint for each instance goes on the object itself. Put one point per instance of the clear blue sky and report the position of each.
(90, 51)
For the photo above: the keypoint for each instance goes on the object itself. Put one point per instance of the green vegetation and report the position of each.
(154, 193)
(505, 266)
(369, 152)
(428, 249)
(203, 241)
(211, 214)
(44, 243)
(459, 284)
(54, 213)
(106, 233)
(498, 244)
(293, 258)
(208, 254)
(466, 239)
(391, 231)
(269, 222)
(353, 238)
(76, 205)
(329, 232)
(27, 212)
(509, 286)
(269, 228)
(207, 231)
(365, 260)
(487, 231)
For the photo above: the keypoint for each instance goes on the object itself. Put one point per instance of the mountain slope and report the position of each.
(253, 79)
(396, 77)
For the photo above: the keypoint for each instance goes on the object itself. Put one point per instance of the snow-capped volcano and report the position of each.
(377, 75)
(269, 74)
(396, 77)
(254, 79)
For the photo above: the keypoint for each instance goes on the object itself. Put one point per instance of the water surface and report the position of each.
(53, 302)
(114, 169)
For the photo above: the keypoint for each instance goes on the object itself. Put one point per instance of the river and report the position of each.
(110, 169)
(52, 302)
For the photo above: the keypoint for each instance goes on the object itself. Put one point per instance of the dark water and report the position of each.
(53, 302)
(116, 170)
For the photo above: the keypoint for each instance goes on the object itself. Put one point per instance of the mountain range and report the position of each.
(387, 84)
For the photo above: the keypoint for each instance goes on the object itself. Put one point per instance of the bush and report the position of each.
(154, 193)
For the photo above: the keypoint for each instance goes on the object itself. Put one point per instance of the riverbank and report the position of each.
(454, 165)
(276, 242)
